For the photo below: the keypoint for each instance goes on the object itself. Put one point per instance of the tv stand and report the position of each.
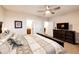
(64, 35)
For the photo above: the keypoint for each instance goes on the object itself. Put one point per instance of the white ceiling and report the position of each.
(33, 9)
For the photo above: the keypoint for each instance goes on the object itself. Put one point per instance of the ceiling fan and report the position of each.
(49, 10)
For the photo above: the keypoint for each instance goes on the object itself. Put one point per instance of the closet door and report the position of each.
(0, 27)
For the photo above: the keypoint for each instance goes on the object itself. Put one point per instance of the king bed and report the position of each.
(29, 44)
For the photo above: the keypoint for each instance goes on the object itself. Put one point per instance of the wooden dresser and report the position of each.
(64, 35)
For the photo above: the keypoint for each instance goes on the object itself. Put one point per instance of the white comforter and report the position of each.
(32, 44)
(40, 44)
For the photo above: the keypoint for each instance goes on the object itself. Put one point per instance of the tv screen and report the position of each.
(62, 25)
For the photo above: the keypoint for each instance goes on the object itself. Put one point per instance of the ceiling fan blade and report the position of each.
(56, 8)
(47, 7)
(41, 11)
(52, 12)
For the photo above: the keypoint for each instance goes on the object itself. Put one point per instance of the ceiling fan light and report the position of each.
(48, 12)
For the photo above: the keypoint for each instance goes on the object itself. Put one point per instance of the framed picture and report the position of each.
(18, 24)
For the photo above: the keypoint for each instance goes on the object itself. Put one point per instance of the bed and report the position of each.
(30, 44)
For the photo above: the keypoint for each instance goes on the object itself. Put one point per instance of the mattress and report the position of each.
(32, 44)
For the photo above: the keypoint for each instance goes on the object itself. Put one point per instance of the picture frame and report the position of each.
(18, 24)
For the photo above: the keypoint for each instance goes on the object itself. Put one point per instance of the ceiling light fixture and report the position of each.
(48, 12)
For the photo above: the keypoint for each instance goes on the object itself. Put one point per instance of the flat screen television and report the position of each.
(63, 26)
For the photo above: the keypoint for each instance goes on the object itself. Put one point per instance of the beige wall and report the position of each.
(73, 20)
(1, 13)
(10, 17)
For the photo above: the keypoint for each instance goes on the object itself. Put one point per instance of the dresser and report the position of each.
(64, 35)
